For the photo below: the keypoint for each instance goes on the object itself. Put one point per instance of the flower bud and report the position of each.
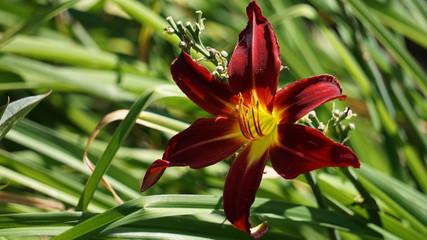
(350, 114)
(212, 51)
(284, 68)
(220, 69)
(182, 44)
(169, 30)
(336, 113)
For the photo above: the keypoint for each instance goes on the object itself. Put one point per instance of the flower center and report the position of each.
(255, 122)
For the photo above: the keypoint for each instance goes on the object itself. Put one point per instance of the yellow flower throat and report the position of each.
(255, 121)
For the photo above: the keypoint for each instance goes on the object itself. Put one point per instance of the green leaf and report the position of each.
(65, 151)
(159, 206)
(42, 187)
(390, 42)
(51, 76)
(16, 111)
(35, 21)
(348, 60)
(407, 202)
(177, 227)
(344, 197)
(3, 108)
(399, 22)
(142, 14)
(119, 136)
(3, 186)
(68, 52)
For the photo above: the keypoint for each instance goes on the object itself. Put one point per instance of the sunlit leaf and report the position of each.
(409, 203)
(16, 111)
(35, 21)
(153, 207)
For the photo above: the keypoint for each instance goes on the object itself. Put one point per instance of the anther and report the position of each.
(182, 44)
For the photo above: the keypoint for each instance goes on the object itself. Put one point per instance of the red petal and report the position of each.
(242, 182)
(154, 172)
(206, 142)
(202, 87)
(300, 97)
(300, 149)
(255, 64)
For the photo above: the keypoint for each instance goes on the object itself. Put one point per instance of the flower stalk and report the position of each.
(312, 181)
(336, 127)
(190, 36)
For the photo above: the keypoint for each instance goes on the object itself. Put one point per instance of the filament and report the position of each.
(256, 120)
(250, 117)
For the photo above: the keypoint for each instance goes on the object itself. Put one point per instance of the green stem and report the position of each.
(202, 50)
(369, 202)
(312, 181)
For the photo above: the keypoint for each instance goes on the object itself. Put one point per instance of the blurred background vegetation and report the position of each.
(98, 56)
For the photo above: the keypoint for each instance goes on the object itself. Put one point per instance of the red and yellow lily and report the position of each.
(251, 114)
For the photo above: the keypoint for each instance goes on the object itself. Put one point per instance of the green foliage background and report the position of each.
(102, 55)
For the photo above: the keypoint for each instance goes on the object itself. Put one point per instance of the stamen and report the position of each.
(241, 118)
(248, 124)
(253, 121)
(241, 124)
(257, 122)
(255, 107)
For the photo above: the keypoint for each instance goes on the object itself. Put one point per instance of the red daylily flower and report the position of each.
(253, 115)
